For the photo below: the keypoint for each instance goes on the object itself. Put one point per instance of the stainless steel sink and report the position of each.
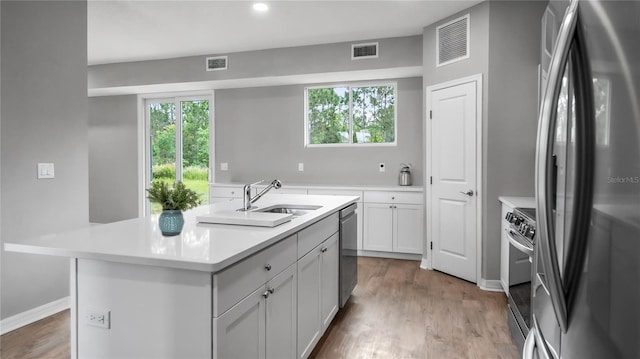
(296, 210)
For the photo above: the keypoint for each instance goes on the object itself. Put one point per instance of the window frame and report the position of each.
(351, 85)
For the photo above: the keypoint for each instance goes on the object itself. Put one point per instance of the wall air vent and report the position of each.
(452, 43)
(364, 51)
(216, 63)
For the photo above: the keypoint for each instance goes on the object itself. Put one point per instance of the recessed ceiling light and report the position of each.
(260, 7)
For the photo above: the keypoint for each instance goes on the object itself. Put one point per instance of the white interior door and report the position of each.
(453, 113)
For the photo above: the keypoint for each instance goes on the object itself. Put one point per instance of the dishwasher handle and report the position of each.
(348, 211)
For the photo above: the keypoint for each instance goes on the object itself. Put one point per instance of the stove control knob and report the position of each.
(531, 232)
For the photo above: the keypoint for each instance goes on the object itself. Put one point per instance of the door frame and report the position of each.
(427, 259)
(143, 140)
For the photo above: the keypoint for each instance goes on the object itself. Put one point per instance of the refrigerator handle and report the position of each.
(584, 167)
(540, 343)
(529, 345)
(544, 163)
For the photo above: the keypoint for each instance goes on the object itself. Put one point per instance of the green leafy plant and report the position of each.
(176, 197)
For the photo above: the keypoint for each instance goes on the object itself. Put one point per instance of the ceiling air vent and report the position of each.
(453, 41)
(364, 51)
(216, 63)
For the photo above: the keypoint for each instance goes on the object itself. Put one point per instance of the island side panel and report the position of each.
(154, 312)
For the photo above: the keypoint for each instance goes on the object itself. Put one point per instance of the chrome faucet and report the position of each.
(246, 193)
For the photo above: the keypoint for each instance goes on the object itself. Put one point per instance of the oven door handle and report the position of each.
(520, 246)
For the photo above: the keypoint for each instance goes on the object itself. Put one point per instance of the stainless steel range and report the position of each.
(521, 233)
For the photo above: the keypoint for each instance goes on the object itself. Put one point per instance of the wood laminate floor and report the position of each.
(397, 311)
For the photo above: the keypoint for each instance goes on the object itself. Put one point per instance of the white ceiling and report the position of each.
(134, 30)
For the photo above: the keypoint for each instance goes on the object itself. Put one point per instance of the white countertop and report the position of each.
(200, 246)
(518, 202)
(626, 213)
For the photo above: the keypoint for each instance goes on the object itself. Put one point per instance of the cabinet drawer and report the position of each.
(394, 197)
(281, 255)
(237, 281)
(234, 192)
(336, 192)
(310, 237)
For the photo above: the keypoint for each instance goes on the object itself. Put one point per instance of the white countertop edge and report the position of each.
(393, 188)
(174, 262)
(518, 202)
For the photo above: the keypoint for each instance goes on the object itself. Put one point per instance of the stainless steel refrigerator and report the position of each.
(586, 285)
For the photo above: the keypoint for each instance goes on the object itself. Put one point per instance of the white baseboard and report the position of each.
(33, 315)
(491, 285)
(392, 255)
(423, 264)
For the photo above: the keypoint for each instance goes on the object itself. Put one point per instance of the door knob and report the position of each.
(469, 193)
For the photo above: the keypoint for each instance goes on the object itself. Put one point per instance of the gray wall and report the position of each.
(505, 45)
(271, 116)
(316, 59)
(44, 119)
(510, 137)
(113, 160)
(260, 134)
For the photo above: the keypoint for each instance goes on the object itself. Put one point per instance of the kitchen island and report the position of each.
(214, 291)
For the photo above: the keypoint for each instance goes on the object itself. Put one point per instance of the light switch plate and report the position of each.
(224, 166)
(300, 166)
(45, 171)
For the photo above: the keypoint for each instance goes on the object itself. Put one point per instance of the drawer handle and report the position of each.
(267, 267)
(323, 249)
(393, 197)
(265, 294)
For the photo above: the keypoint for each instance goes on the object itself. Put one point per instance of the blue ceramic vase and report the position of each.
(171, 222)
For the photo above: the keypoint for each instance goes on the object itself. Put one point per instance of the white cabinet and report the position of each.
(281, 314)
(317, 293)
(378, 227)
(262, 325)
(309, 322)
(220, 193)
(329, 288)
(240, 332)
(393, 222)
(504, 249)
(408, 220)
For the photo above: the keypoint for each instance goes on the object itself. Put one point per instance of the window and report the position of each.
(350, 115)
(179, 143)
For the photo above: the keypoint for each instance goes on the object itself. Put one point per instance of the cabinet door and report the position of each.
(309, 321)
(329, 288)
(408, 228)
(281, 315)
(378, 227)
(240, 332)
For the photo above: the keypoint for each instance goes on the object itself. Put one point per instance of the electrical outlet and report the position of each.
(381, 167)
(45, 170)
(224, 166)
(300, 166)
(98, 318)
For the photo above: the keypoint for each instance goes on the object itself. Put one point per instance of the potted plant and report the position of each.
(173, 200)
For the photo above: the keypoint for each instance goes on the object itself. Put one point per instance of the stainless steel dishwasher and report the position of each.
(348, 252)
